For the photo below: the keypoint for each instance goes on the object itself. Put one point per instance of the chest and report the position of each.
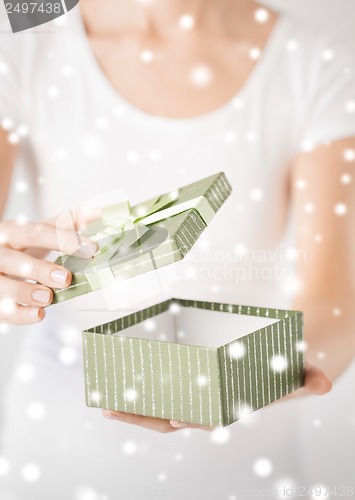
(183, 77)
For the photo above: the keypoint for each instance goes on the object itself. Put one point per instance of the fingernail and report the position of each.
(34, 312)
(41, 296)
(88, 249)
(178, 424)
(59, 276)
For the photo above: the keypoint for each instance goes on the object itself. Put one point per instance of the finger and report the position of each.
(25, 293)
(16, 314)
(21, 265)
(183, 425)
(44, 235)
(155, 424)
(317, 382)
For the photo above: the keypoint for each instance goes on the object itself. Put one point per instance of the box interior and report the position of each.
(193, 326)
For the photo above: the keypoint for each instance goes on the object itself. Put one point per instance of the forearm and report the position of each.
(329, 324)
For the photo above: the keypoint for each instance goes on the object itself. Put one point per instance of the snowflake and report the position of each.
(91, 146)
(67, 71)
(202, 380)
(21, 219)
(4, 328)
(60, 21)
(240, 250)
(190, 272)
(350, 106)
(262, 467)
(346, 179)
(254, 53)
(21, 186)
(129, 448)
(278, 363)
(336, 311)
(186, 22)
(236, 350)
(349, 155)
(4, 466)
(327, 55)
(162, 476)
(69, 335)
(67, 355)
(36, 410)
(174, 308)
(147, 56)
(95, 396)
(307, 146)
(7, 123)
(101, 123)
(201, 75)
(256, 194)
(25, 372)
(22, 130)
(309, 208)
(4, 68)
(301, 346)
(149, 325)
(31, 473)
(300, 184)
(132, 156)
(250, 137)
(154, 154)
(340, 209)
(7, 306)
(13, 138)
(238, 103)
(53, 92)
(317, 422)
(261, 15)
(245, 414)
(220, 435)
(230, 136)
(86, 493)
(292, 45)
(131, 395)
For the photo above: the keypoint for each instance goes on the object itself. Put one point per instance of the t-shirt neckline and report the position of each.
(134, 111)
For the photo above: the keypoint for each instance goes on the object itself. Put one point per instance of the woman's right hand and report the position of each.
(22, 302)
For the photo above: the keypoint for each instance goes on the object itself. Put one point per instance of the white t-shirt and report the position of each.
(80, 137)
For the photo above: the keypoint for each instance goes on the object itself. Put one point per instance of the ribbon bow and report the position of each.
(123, 234)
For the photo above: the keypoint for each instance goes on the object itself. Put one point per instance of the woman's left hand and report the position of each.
(316, 383)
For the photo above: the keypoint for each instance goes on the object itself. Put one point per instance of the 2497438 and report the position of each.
(34, 7)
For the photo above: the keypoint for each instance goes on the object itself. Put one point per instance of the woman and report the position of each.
(150, 95)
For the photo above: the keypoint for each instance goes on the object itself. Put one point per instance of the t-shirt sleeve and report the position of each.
(11, 59)
(330, 113)
(11, 102)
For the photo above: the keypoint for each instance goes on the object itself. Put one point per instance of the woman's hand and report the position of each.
(22, 302)
(316, 382)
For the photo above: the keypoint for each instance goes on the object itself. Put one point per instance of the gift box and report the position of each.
(199, 362)
(147, 236)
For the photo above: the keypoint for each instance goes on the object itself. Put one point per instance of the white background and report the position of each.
(334, 15)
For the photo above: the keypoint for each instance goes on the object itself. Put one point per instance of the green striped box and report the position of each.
(199, 362)
(165, 241)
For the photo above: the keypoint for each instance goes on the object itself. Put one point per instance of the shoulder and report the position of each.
(314, 63)
(313, 46)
